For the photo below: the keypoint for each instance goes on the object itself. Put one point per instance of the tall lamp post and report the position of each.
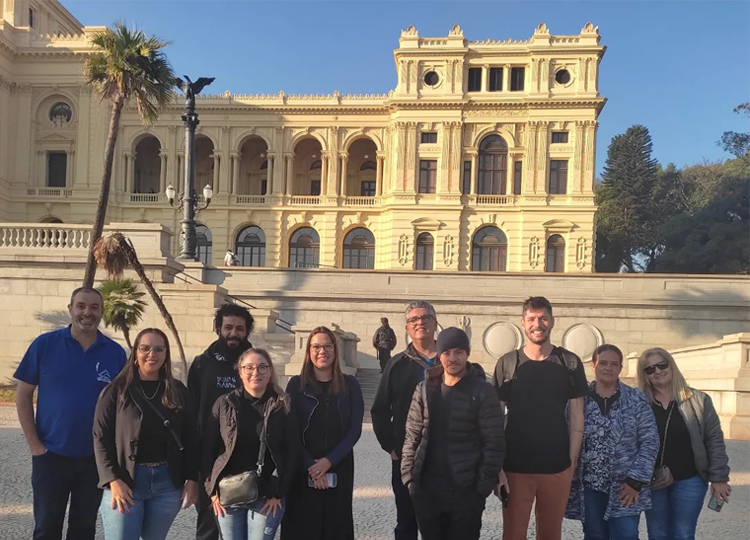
(189, 203)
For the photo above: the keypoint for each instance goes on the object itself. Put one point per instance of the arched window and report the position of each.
(368, 166)
(425, 251)
(304, 248)
(316, 165)
(555, 254)
(489, 250)
(204, 244)
(493, 166)
(251, 246)
(359, 249)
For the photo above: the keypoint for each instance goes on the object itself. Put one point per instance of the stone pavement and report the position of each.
(374, 509)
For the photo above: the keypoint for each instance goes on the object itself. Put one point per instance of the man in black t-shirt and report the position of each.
(537, 383)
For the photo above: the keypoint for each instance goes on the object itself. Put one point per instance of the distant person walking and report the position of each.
(384, 342)
(70, 367)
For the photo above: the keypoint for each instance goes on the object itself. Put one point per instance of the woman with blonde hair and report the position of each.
(251, 431)
(329, 410)
(691, 454)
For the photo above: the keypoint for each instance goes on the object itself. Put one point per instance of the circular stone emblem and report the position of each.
(582, 339)
(501, 338)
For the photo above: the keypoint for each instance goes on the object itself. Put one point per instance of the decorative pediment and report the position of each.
(427, 224)
(559, 226)
(55, 138)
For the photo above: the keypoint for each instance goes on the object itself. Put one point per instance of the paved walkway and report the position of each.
(374, 510)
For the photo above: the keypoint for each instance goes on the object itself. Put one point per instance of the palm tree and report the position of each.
(123, 307)
(115, 253)
(127, 65)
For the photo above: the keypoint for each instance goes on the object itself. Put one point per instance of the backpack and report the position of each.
(511, 363)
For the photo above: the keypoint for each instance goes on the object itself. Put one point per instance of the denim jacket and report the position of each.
(634, 445)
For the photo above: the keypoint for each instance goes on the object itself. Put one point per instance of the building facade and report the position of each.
(482, 157)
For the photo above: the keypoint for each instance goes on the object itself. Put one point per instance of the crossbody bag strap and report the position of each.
(666, 427)
(165, 422)
(263, 443)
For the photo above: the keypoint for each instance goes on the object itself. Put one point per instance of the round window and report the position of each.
(431, 78)
(60, 110)
(562, 76)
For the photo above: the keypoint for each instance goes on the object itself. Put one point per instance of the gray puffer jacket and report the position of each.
(706, 436)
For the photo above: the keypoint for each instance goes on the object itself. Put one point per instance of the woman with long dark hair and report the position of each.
(329, 408)
(254, 415)
(145, 444)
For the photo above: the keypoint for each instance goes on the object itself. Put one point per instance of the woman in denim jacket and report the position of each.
(620, 443)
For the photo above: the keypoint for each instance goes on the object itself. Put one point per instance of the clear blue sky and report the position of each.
(679, 68)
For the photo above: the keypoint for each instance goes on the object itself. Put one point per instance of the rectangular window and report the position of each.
(467, 178)
(57, 165)
(517, 76)
(368, 188)
(559, 137)
(429, 137)
(517, 177)
(558, 177)
(315, 187)
(427, 176)
(496, 79)
(475, 80)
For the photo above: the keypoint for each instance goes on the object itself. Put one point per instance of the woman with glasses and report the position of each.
(692, 453)
(145, 444)
(329, 408)
(233, 447)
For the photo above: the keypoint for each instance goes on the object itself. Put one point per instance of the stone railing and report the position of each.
(359, 201)
(44, 236)
(49, 192)
(495, 200)
(304, 200)
(251, 199)
(144, 197)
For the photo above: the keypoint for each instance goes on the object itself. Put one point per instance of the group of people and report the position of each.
(253, 457)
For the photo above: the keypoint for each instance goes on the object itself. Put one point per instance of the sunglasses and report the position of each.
(650, 370)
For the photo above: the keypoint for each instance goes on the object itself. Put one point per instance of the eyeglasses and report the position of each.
(650, 370)
(250, 369)
(319, 348)
(424, 318)
(158, 349)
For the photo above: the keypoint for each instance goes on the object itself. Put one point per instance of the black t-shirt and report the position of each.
(537, 430)
(678, 453)
(436, 473)
(152, 440)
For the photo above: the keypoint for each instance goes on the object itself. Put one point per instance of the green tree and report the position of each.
(738, 144)
(127, 65)
(123, 305)
(628, 217)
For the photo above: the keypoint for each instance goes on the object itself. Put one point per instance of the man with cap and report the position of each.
(455, 446)
(384, 342)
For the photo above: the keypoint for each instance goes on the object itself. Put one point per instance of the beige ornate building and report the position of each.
(482, 158)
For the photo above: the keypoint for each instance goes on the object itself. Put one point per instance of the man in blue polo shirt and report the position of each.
(70, 367)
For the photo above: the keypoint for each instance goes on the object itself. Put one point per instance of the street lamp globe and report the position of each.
(207, 193)
(171, 193)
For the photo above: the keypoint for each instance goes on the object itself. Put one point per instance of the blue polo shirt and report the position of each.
(69, 382)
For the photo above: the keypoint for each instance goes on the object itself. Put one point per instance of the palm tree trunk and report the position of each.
(101, 207)
(126, 335)
(130, 253)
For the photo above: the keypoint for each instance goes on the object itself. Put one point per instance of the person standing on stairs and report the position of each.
(384, 342)
(212, 375)
(401, 375)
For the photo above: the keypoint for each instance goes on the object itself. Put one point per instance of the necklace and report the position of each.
(152, 395)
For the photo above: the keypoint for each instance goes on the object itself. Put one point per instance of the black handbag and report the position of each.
(243, 488)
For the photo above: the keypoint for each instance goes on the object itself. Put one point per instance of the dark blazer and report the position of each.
(351, 407)
(282, 440)
(117, 428)
(475, 441)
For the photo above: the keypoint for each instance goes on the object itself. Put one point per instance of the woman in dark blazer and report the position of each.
(145, 444)
(329, 408)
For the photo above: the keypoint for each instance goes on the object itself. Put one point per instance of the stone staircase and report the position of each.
(368, 380)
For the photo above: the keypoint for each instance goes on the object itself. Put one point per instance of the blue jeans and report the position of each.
(595, 527)
(675, 510)
(54, 480)
(157, 503)
(245, 522)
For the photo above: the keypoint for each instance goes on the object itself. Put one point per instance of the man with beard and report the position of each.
(391, 406)
(537, 383)
(70, 367)
(211, 375)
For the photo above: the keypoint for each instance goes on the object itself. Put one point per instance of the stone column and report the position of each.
(530, 174)
(411, 158)
(344, 174)
(325, 159)
(270, 174)
(399, 149)
(457, 166)
(333, 163)
(443, 182)
(590, 158)
(162, 171)
(217, 168)
(485, 77)
(128, 179)
(226, 171)
(278, 174)
(474, 183)
(288, 185)
(577, 166)
(541, 176)
(234, 185)
(506, 78)
(379, 173)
